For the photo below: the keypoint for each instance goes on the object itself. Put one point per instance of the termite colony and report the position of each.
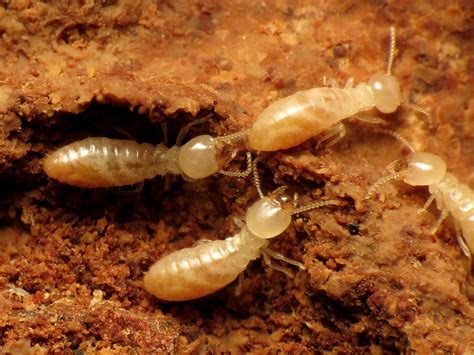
(209, 266)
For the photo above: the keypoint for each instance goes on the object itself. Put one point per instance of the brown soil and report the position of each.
(72, 260)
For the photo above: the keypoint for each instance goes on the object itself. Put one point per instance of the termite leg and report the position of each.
(295, 200)
(330, 82)
(276, 255)
(240, 282)
(462, 243)
(268, 261)
(325, 81)
(349, 83)
(427, 204)
(334, 84)
(332, 135)
(442, 217)
(371, 120)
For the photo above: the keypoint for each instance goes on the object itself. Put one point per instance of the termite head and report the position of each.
(424, 169)
(267, 218)
(387, 92)
(198, 158)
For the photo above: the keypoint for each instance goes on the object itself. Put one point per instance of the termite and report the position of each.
(294, 119)
(104, 162)
(452, 197)
(205, 268)
(16, 293)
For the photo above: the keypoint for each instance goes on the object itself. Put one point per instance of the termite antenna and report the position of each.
(239, 174)
(256, 178)
(391, 54)
(228, 140)
(418, 109)
(184, 131)
(397, 136)
(233, 136)
(392, 176)
(315, 205)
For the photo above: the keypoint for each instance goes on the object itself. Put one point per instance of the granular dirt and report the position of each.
(72, 260)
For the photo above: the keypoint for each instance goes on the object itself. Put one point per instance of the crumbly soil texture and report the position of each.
(72, 260)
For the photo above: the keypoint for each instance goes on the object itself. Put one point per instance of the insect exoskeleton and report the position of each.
(427, 169)
(450, 195)
(198, 271)
(292, 120)
(104, 162)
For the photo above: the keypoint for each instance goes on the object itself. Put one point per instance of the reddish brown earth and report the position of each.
(72, 260)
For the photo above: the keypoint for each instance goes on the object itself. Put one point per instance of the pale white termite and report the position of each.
(203, 269)
(452, 197)
(198, 271)
(104, 162)
(292, 120)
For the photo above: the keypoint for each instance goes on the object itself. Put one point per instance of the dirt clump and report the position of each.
(72, 260)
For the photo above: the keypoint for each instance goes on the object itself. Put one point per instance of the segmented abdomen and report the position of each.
(198, 271)
(294, 119)
(459, 200)
(103, 162)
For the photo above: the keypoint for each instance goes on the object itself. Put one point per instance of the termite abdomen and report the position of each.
(105, 162)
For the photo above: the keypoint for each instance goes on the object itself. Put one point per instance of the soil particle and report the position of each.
(72, 260)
